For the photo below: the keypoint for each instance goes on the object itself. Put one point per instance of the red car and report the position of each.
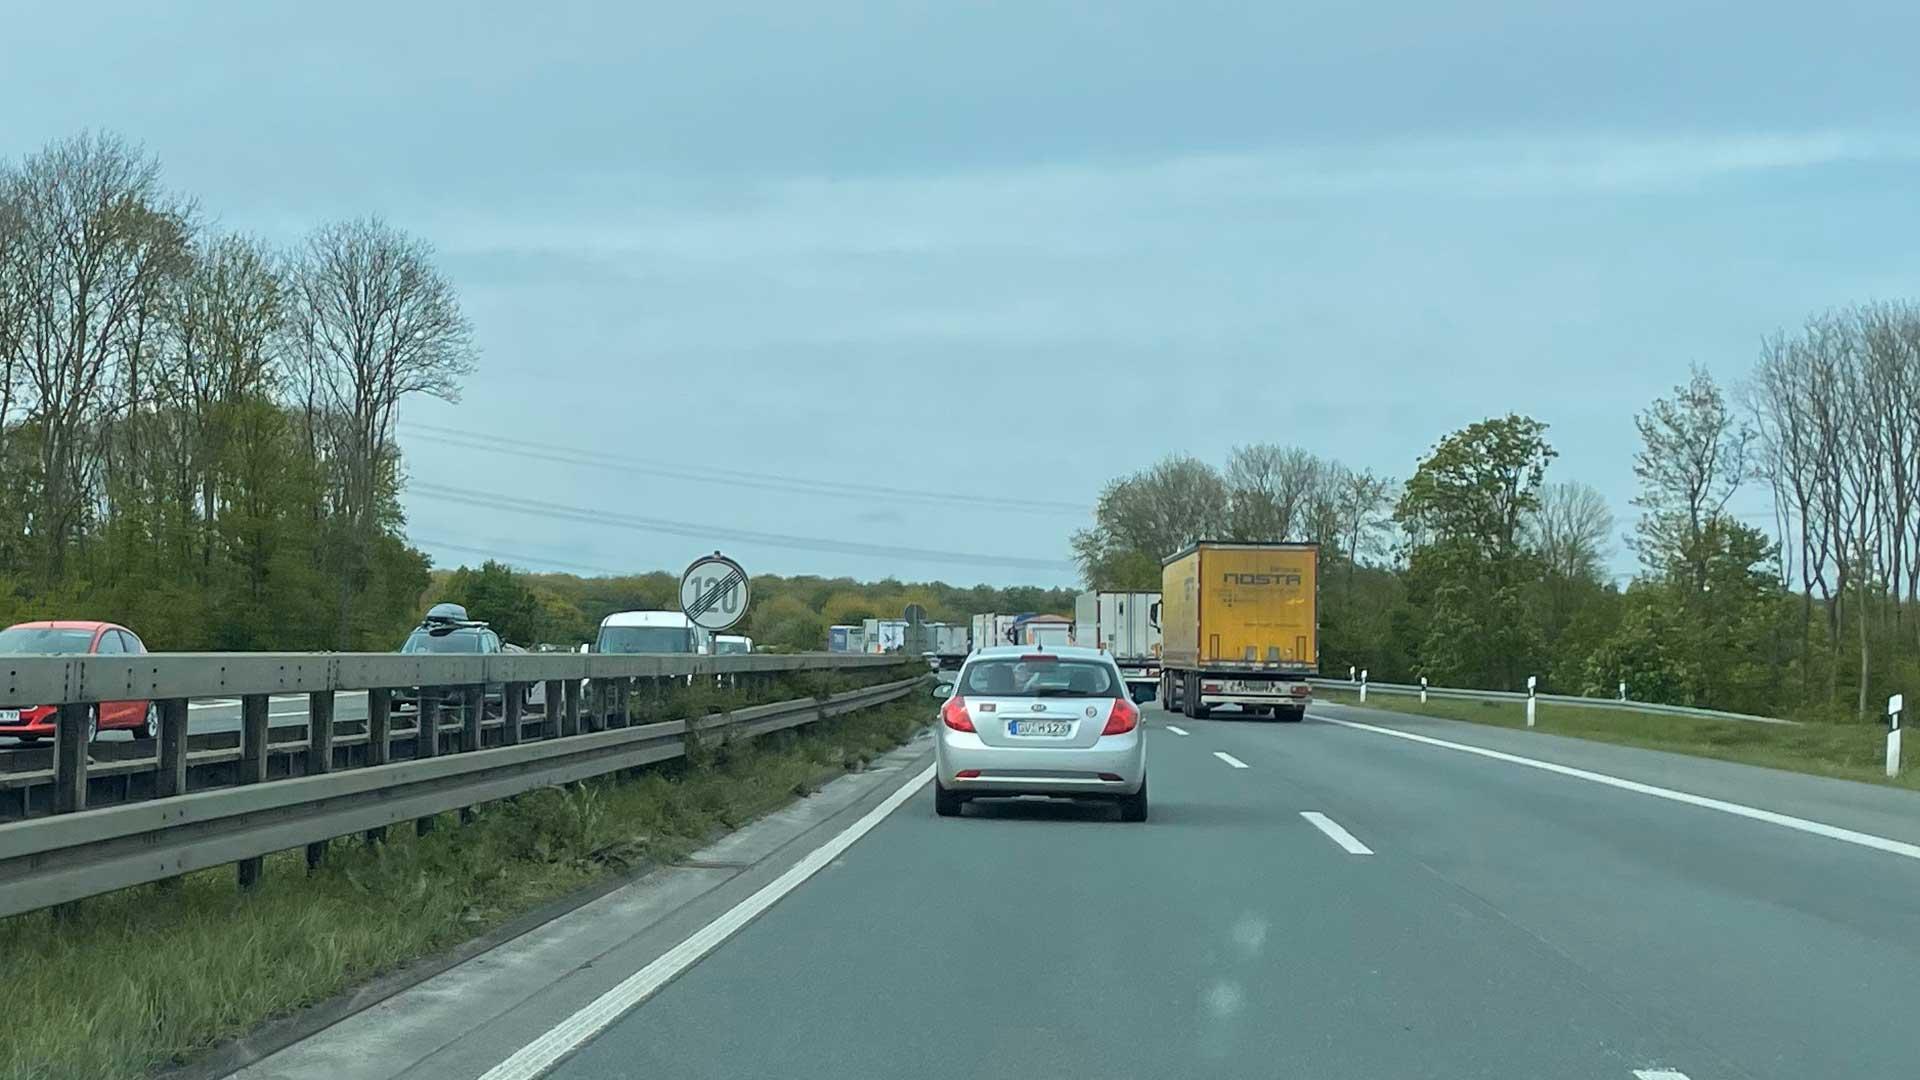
(31, 723)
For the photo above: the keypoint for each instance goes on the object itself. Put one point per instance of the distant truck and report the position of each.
(950, 639)
(1127, 626)
(992, 630)
(838, 639)
(885, 635)
(1240, 626)
(1043, 631)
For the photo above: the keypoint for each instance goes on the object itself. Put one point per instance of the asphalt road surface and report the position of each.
(1365, 895)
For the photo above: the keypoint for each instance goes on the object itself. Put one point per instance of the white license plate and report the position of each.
(1040, 727)
(9, 716)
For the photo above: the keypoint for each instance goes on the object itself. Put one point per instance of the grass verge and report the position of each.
(1849, 751)
(147, 976)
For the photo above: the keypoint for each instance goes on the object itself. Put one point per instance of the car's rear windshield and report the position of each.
(40, 640)
(463, 640)
(1015, 676)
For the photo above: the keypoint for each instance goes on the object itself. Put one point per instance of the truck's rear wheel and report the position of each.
(1195, 708)
(1292, 714)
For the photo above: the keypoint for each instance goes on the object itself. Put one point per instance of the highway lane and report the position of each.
(1508, 922)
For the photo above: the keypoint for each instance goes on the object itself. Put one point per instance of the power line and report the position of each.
(803, 485)
(523, 560)
(709, 533)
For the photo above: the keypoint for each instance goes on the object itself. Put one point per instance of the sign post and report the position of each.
(1894, 707)
(1363, 686)
(1532, 681)
(713, 594)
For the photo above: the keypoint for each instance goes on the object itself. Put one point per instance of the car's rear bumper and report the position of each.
(1115, 766)
(43, 730)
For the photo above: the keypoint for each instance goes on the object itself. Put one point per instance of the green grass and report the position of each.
(147, 976)
(1851, 751)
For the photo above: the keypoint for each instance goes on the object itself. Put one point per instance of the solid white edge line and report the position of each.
(1785, 821)
(570, 1034)
(1336, 832)
(1660, 1074)
(1230, 759)
(1176, 730)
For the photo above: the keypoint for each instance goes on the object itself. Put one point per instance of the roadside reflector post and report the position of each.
(1894, 707)
(1350, 676)
(1423, 689)
(1363, 686)
(1623, 690)
(1532, 682)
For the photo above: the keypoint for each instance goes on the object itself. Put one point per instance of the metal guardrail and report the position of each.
(78, 852)
(1551, 699)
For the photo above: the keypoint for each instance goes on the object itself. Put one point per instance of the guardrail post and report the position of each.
(379, 743)
(556, 705)
(252, 768)
(513, 705)
(426, 741)
(319, 756)
(570, 712)
(70, 759)
(623, 702)
(171, 778)
(476, 704)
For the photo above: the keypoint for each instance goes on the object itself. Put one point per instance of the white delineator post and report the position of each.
(1363, 686)
(1894, 705)
(1350, 673)
(1423, 689)
(1532, 681)
(1623, 690)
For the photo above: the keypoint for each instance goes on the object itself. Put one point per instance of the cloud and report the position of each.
(1087, 209)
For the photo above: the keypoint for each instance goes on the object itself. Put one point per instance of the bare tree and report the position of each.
(1269, 487)
(98, 236)
(1692, 459)
(1366, 512)
(376, 322)
(1570, 531)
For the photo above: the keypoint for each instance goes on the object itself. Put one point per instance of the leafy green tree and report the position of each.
(497, 595)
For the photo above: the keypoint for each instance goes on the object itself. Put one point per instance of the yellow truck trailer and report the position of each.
(1239, 625)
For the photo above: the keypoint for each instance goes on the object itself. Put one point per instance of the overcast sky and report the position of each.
(1007, 251)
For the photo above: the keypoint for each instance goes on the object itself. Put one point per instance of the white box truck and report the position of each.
(993, 630)
(1127, 625)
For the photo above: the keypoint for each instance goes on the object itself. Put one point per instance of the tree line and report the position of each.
(1480, 570)
(197, 426)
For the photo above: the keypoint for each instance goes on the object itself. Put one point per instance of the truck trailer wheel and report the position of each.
(1292, 714)
(1190, 698)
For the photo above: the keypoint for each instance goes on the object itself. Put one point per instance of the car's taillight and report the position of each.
(1124, 718)
(954, 715)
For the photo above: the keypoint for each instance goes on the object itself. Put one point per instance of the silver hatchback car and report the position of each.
(1023, 720)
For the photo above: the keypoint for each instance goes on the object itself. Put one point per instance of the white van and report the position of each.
(645, 632)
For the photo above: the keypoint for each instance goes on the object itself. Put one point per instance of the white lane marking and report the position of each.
(1336, 832)
(1785, 821)
(1230, 759)
(543, 1053)
(1176, 730)
(1660, 1074)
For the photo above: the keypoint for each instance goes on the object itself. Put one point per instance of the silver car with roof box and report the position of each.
(1018, 720)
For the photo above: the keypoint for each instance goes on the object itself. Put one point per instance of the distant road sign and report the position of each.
(914, 614)
(713, 592)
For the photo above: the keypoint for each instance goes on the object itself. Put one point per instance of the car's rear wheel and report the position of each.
(93, 722)
(1134, 807)
(149, 724)
(29, 740)
(946, 803)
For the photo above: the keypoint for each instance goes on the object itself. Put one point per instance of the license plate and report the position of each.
(1040, 727)
(9, 716)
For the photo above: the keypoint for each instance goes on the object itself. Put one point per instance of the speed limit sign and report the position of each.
(713, 592)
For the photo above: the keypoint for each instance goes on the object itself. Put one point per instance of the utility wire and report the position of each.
(708, 533)
(545, 451)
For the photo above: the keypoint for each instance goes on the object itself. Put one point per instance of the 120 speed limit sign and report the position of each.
(713, 592)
